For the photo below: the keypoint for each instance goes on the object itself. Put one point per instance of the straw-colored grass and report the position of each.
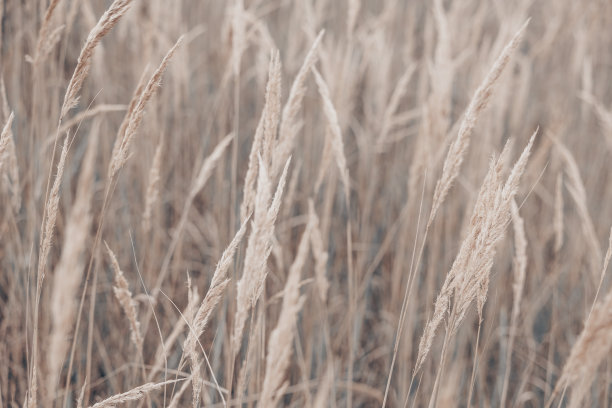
(308, 203)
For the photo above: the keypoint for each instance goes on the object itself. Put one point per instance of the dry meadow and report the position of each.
(305, 203)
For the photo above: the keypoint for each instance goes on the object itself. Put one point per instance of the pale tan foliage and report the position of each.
(558, 215)
(519, 269)
(213, 296)
(134, 394)
(319, 253)
(322, 397)
(108, 20)
(280, 343)
(46, 241)
(152, 194)
(209, 165)
(468, 279)
(68, 273)
(124, 296)
(121, 153)
(456, 152)
(8, 159)
(290, 125)
(337, 146)
(577, 190)
(46, 39)
(591, 348)
(258, 250)
(265, 134)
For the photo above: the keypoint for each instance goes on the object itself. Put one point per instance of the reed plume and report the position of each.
(480, 100)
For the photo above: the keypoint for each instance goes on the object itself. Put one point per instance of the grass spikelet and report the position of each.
(209, 165)
(319, 253)
(458, 148)
(135, 116)
(591, 348)
(108, 20)
(213, 296)
(46, 241)
(519, 268)
(45, 33)
(337, 145)
(265, 134)
(258, 250)
(134, 394)
(467, 281)
(142, 83)
(152, 195)
(280, 343)
(290, 125)
(124, 296)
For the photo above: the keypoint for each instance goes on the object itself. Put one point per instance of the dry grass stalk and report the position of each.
(468, 279)
(197, 185)
(576, 188)
(68, 272)
(49, 43)
(152, 195)
(177, 396)
(104, 25)
(8, 158)
(250, 285)
(353, 12)
(47, 37)
(325, 386)
(520, 259)
(238, 35)
(209, 165)
(46, 241)
(52, 208)
(134, 394)
(456, 152)
(606, 261)
(6, 111)
(290, 125)
(81, 395)
(558, 215)
(124, 296)
(337, 146)
(398, 93)
(265, 134)
(319, 253)
(520, 269)
(252, 356)
(280, 343)
(142, 83)
(213, 296)
(135, 116)
(189, 314)
(592, 347)
(86, 114)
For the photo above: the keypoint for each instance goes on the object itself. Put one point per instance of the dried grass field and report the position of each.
(305, 203)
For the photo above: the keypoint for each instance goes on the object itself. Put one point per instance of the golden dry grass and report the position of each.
(309, 203)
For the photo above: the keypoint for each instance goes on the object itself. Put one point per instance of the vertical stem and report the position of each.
(469, 400)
